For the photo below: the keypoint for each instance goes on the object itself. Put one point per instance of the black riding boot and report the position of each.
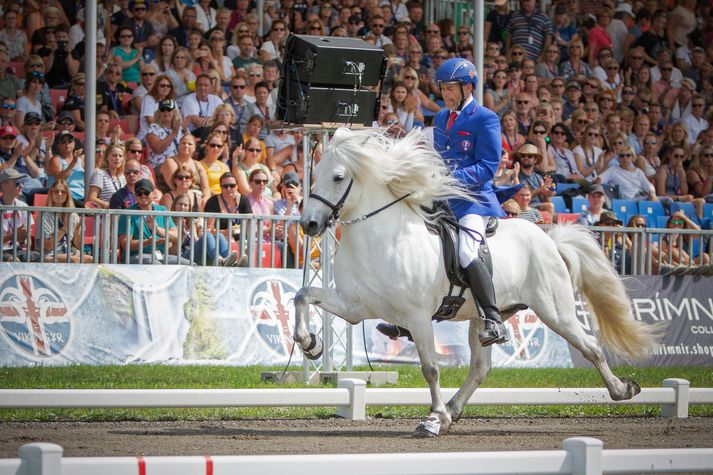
(394, 332)
(481, 284)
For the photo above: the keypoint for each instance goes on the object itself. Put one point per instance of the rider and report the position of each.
(467, 135)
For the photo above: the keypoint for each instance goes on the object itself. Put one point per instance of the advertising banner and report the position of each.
(54, 315)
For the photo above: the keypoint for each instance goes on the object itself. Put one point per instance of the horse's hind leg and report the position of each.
(560, 317)
(480, 365)
(329, 300)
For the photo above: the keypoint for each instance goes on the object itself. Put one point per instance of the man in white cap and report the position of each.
(682, 106)
(15, 224)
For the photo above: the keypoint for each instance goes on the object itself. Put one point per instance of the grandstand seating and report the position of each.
(651, 208)
(579, 204)
(622, 208)
(58, 97)
(688, 209)
(559, 204)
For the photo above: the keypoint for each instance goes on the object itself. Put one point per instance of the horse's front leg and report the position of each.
(329, 300)
(438, 420)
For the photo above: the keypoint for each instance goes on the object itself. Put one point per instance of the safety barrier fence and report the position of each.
(265, 240)
(578, 456)
(350, 397)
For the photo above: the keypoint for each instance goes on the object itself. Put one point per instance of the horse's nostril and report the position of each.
(312, 226)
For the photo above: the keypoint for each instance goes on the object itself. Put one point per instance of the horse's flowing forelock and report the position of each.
(407, 165)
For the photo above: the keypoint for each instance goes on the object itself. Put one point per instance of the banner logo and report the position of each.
(33, 316)
(272, 308)
(528, 337)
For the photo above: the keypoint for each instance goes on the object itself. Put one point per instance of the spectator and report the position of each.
(700, 174)
(698, 62)
(527, 155)
(523, 197)
(247, 55)
(675, 248)
(571, 99)
(648, 161)
(654, 39)
(507, 172)
(225, 68)
(181, 74)
(281, 150)
(108, 178)
(162, 20)
(223, 122)
(148, 79)
(643, 243)
(188, 25)
(198, 107)
(641, 128)
(61, 232)
(618, 29)
(498, 98)
(597, 199)
(136, 229)
(111, 90)
(574, 67)
(530, 29)
(464, 47)
(222, 20)
(127, 56)
(617, 245)
(588, 155)
(682, 106)
(164, 134)
(538, 136)
(242, 109)
(13, 37)
(74, 104)
(665, 57)
(164, 53)
(598, 71)
(560, 153)
(125, 197)
(547, 68)
(403, 104)
(522, 112)
(496, 22)
(182, 181)
(631, 181)
(30, 101)
(22, 156)
(34, 156)
(68, 165)
(599, 36)
(7, 112)
(249, 162)
(671, 183)
(274, 47)
(228, 201)
(263, 108)
(261, 202)
(215, 148)
(9, 83)
(15, 224)
(694, 121)
(512, 138)
(564, 30)
(142, 34)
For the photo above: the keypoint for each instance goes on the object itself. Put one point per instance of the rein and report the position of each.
(334, 217)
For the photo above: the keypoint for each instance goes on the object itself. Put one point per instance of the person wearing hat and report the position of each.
(75, 101)
(141, 227)
(15, 226)
(529, 156)
(67, 165)
(572, 95)
(21, 153)
(617, 245)
(459, 130)
(165, 133)
(597, 199)
(682, 106)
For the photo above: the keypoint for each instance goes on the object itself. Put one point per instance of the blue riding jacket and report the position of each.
(471, 149)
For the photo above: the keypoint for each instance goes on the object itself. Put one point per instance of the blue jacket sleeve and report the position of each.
(488, 146)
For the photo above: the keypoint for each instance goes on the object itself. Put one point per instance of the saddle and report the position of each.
(445, 225)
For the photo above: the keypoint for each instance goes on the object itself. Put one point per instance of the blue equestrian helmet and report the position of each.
(457, 70)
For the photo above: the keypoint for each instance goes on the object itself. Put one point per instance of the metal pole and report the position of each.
(90, 104)
(478, 45)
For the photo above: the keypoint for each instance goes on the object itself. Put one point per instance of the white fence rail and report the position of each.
(579, 455)
(351, 397)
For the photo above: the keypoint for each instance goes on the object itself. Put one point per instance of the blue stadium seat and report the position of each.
(580, 204)
(559, 204)
(651, 208)
(708, 210)
(622, 208)
(661, 221)
(562, 187)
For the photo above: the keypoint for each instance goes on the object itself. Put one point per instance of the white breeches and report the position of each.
(468, 246)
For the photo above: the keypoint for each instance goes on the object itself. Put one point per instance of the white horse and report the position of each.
(390, 267)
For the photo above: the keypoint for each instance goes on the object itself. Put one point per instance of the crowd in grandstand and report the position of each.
(604, 100)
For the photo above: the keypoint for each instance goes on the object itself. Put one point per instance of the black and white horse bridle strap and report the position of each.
(334, 217)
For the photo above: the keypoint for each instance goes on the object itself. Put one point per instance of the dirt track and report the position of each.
(276, 436)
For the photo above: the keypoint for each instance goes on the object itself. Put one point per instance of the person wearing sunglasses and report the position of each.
(25, 153)
(111, 90)
(228, 201)
(164, 134)
(144, 36)
(671, 182)
(676, 248)
(182, 181)
(61, 231)
(15, 225)
(274, 47)
(588, 153)
(156, 232)
(126, 56)
(7, 111)
(125, 197)
(30, 101)
(249, 161)
(148, 78)
(700, 174)
(261, 201)
(214, 148)
(632, 182)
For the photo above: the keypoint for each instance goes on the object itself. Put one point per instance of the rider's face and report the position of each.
(452, 94)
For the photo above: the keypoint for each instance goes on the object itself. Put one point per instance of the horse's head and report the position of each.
(330, 191)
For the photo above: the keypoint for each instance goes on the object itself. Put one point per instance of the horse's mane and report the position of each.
(406, 165)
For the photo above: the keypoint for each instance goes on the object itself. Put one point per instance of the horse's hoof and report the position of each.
(632, 387)
(313, 351)
(429, 427)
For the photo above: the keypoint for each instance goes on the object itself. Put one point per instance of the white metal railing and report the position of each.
(350, 398)
(579, 455)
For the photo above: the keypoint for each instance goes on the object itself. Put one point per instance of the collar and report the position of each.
(465, 104)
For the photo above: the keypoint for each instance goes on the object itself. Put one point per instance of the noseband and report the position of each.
(334, 217)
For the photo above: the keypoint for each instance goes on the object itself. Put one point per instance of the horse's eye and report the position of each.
(338, 178)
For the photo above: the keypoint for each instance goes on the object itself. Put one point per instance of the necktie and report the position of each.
(451, 119)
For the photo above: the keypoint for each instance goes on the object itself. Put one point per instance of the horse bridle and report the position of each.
(334, 216)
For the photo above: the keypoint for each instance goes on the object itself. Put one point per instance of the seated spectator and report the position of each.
(125, 197)
(164, 134)
(575, 66)
(597, 200)
(274, 47)
(7, 112)
(135, 149)
(30, 101)
(255, 126)
(260, 201)
(248, 163)
(588, 156)
(392, 124)
(523, 197)
(15, 224)
(507, 172)
(630, 181)
(62, 233)
(162, 59)
(511, 208)
(68, 165)
(215, 149)
(695, 122)
(127, 56)
(182, 181)
(676, 248)
(281, 149)
(671, 183)
(181, 74)
(198, 108)
(75, 100)
(616, 245)
(204, 62)
(103, 123)
(9, 83)
(700, 174)
(403, 104)
(512, 139)
(22, 156)
(527, 155)
(36, 153)
(61, 62)
(148, 78)
(111, 90)
(223, 121)
(193, 237)
(109, 178)
(162, 90)
(184, 158)
(247, 55)
(563, 157)
(648, 251)
(263, 108)
(648, 161)
(136, 228)
(498, 98)
(228, 201)
(13, 37)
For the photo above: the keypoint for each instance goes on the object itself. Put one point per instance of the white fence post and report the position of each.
(357, 399)
(680, 407)
(41, 458)
(586, 455)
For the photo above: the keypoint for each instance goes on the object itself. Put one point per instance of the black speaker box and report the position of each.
(315, 105)
(333, 61)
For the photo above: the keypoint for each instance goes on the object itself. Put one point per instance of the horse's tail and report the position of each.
(593, 275)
